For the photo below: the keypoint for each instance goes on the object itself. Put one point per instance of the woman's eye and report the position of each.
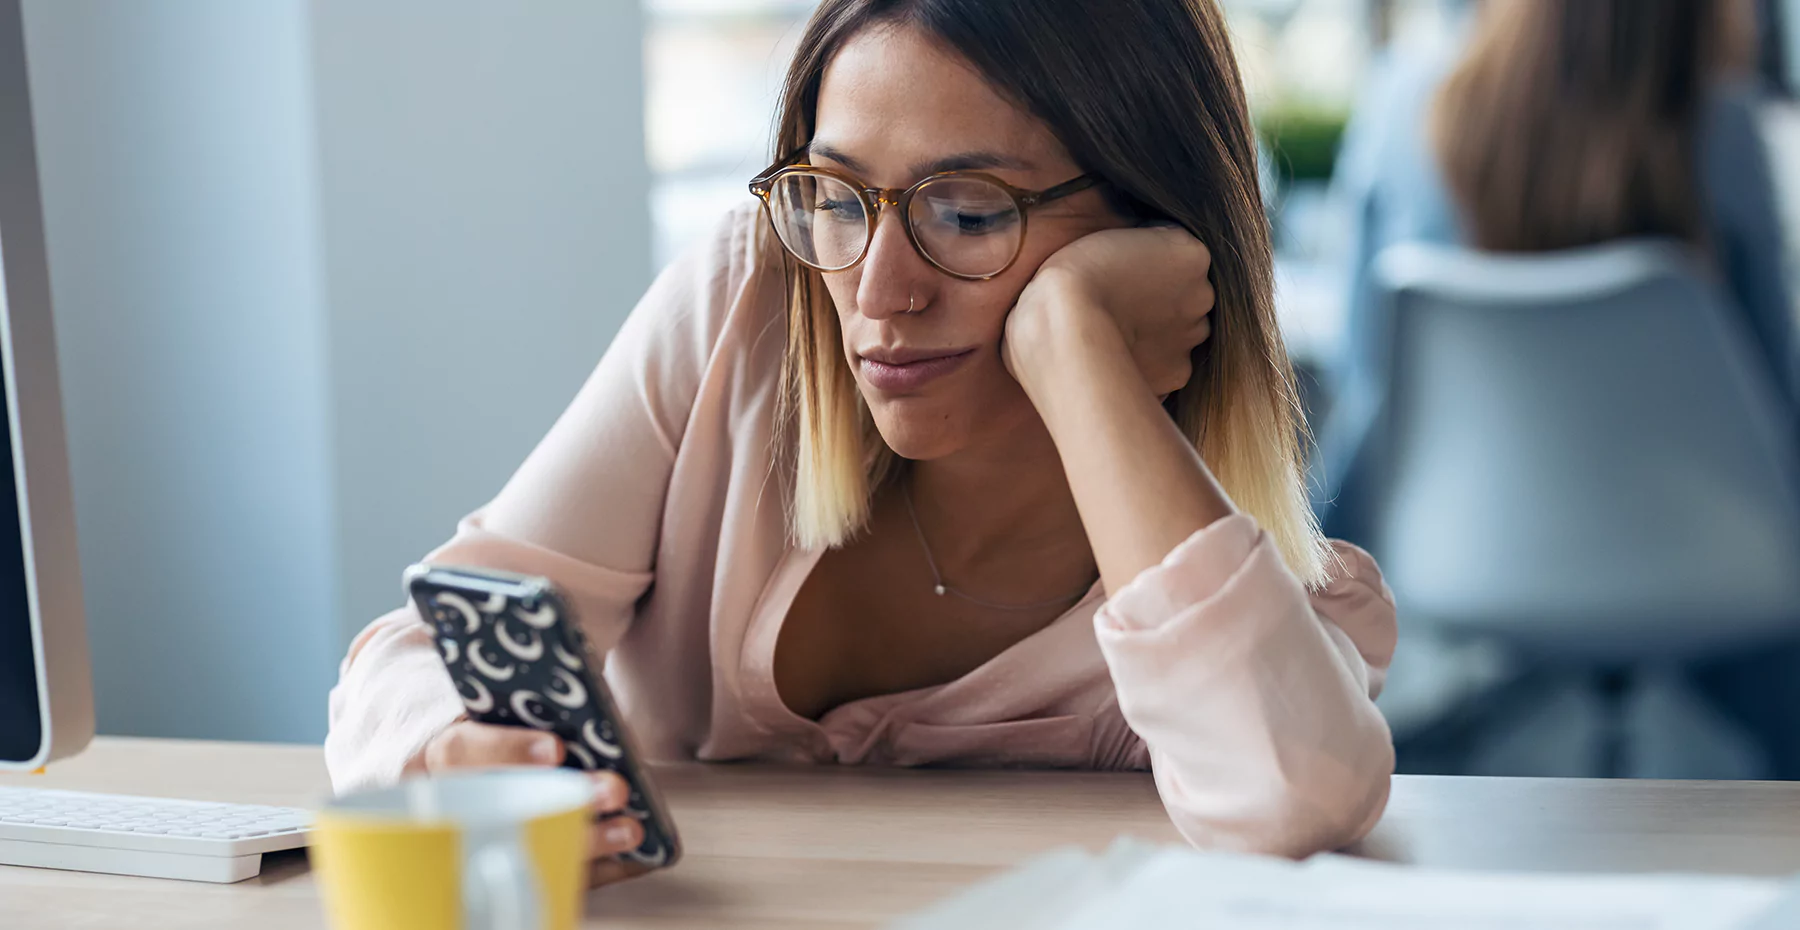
(972, 220)
(840, 209)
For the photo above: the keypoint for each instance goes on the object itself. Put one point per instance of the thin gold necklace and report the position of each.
(937, 578)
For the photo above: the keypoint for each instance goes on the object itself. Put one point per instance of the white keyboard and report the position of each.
(153, 837)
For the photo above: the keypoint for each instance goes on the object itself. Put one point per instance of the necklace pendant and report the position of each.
(940, 590)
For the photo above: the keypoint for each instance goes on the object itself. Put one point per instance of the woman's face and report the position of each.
(895, 106)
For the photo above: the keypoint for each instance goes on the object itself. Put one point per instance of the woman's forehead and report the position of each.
(894, 102)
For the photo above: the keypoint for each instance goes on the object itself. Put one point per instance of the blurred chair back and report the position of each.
(1580, 453)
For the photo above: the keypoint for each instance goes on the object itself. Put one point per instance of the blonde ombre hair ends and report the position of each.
(1146, 95)
(825, 414)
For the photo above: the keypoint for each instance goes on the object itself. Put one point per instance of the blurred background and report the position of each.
(325, 270)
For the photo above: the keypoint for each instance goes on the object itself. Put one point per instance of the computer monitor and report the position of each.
(46, 692)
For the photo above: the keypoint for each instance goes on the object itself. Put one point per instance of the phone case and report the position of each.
(518, 658)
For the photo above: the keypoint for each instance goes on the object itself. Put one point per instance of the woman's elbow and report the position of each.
(1294, 803)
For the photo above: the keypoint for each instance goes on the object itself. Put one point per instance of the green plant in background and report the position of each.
(1301, 138)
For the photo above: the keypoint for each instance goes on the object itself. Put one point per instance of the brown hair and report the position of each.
(1572, 122)
(1145, 94)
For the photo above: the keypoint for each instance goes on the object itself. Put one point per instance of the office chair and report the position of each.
(1578, 455)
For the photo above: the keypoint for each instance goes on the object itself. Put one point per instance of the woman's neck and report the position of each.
(986, 507)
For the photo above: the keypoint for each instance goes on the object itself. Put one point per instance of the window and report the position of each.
(713, 73)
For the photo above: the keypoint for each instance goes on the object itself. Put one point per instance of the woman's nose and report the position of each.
(895, 278)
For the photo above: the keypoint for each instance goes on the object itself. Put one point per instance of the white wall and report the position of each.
(298, 250)
(486, 231)
(175, 147)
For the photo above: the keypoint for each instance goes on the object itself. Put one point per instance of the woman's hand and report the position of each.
(1149, 281)
(467, 744)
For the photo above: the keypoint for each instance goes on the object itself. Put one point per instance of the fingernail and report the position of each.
(621, 835)
(544, 750)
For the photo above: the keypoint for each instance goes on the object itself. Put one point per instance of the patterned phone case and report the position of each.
(518, 658)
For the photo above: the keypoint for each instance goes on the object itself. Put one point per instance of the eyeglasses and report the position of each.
(967, 224)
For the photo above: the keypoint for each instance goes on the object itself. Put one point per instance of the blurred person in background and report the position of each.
(1541, 125)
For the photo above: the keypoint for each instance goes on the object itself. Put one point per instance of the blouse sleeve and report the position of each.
(585, 509)
(1253, 696)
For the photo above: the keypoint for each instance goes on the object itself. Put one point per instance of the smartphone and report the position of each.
(518, 658)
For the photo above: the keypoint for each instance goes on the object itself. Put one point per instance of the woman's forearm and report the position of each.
(1139, 484)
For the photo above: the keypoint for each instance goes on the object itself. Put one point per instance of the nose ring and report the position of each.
(909, 303)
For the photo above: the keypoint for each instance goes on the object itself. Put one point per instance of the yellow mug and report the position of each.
(485, 849)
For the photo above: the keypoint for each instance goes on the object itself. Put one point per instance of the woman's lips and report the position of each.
(899, 374)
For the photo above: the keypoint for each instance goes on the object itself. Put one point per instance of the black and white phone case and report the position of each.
(518, 658)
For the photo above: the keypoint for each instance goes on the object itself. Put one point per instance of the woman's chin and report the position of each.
(917, 437)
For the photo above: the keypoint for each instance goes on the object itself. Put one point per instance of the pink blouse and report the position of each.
(654, 504)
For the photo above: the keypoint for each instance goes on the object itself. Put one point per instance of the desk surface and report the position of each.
(829, 847)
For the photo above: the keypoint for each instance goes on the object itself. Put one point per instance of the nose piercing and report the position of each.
(909, 303)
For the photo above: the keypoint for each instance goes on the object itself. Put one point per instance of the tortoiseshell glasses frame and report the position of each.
(776, 186)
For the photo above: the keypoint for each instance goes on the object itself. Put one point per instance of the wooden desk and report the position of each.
(810, 848)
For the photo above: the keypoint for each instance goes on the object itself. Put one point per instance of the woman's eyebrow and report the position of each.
(824, 150)
(962, 161)
(972, 161)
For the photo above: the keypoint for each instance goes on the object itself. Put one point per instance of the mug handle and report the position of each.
(499, 887)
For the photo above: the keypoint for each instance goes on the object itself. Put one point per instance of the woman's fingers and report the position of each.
(467, 743)
(1204, 256)
(607, 871)
(611, 793)
(613, 836)
(1184, 246)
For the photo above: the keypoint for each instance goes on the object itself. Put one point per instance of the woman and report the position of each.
(1557, 124)
(1011, 491)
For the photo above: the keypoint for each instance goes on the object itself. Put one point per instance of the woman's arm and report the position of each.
(1138, 482)
(584, 510)
(1254, 698)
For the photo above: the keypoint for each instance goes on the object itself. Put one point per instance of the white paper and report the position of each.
(1139, 887)
(1039, 893)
